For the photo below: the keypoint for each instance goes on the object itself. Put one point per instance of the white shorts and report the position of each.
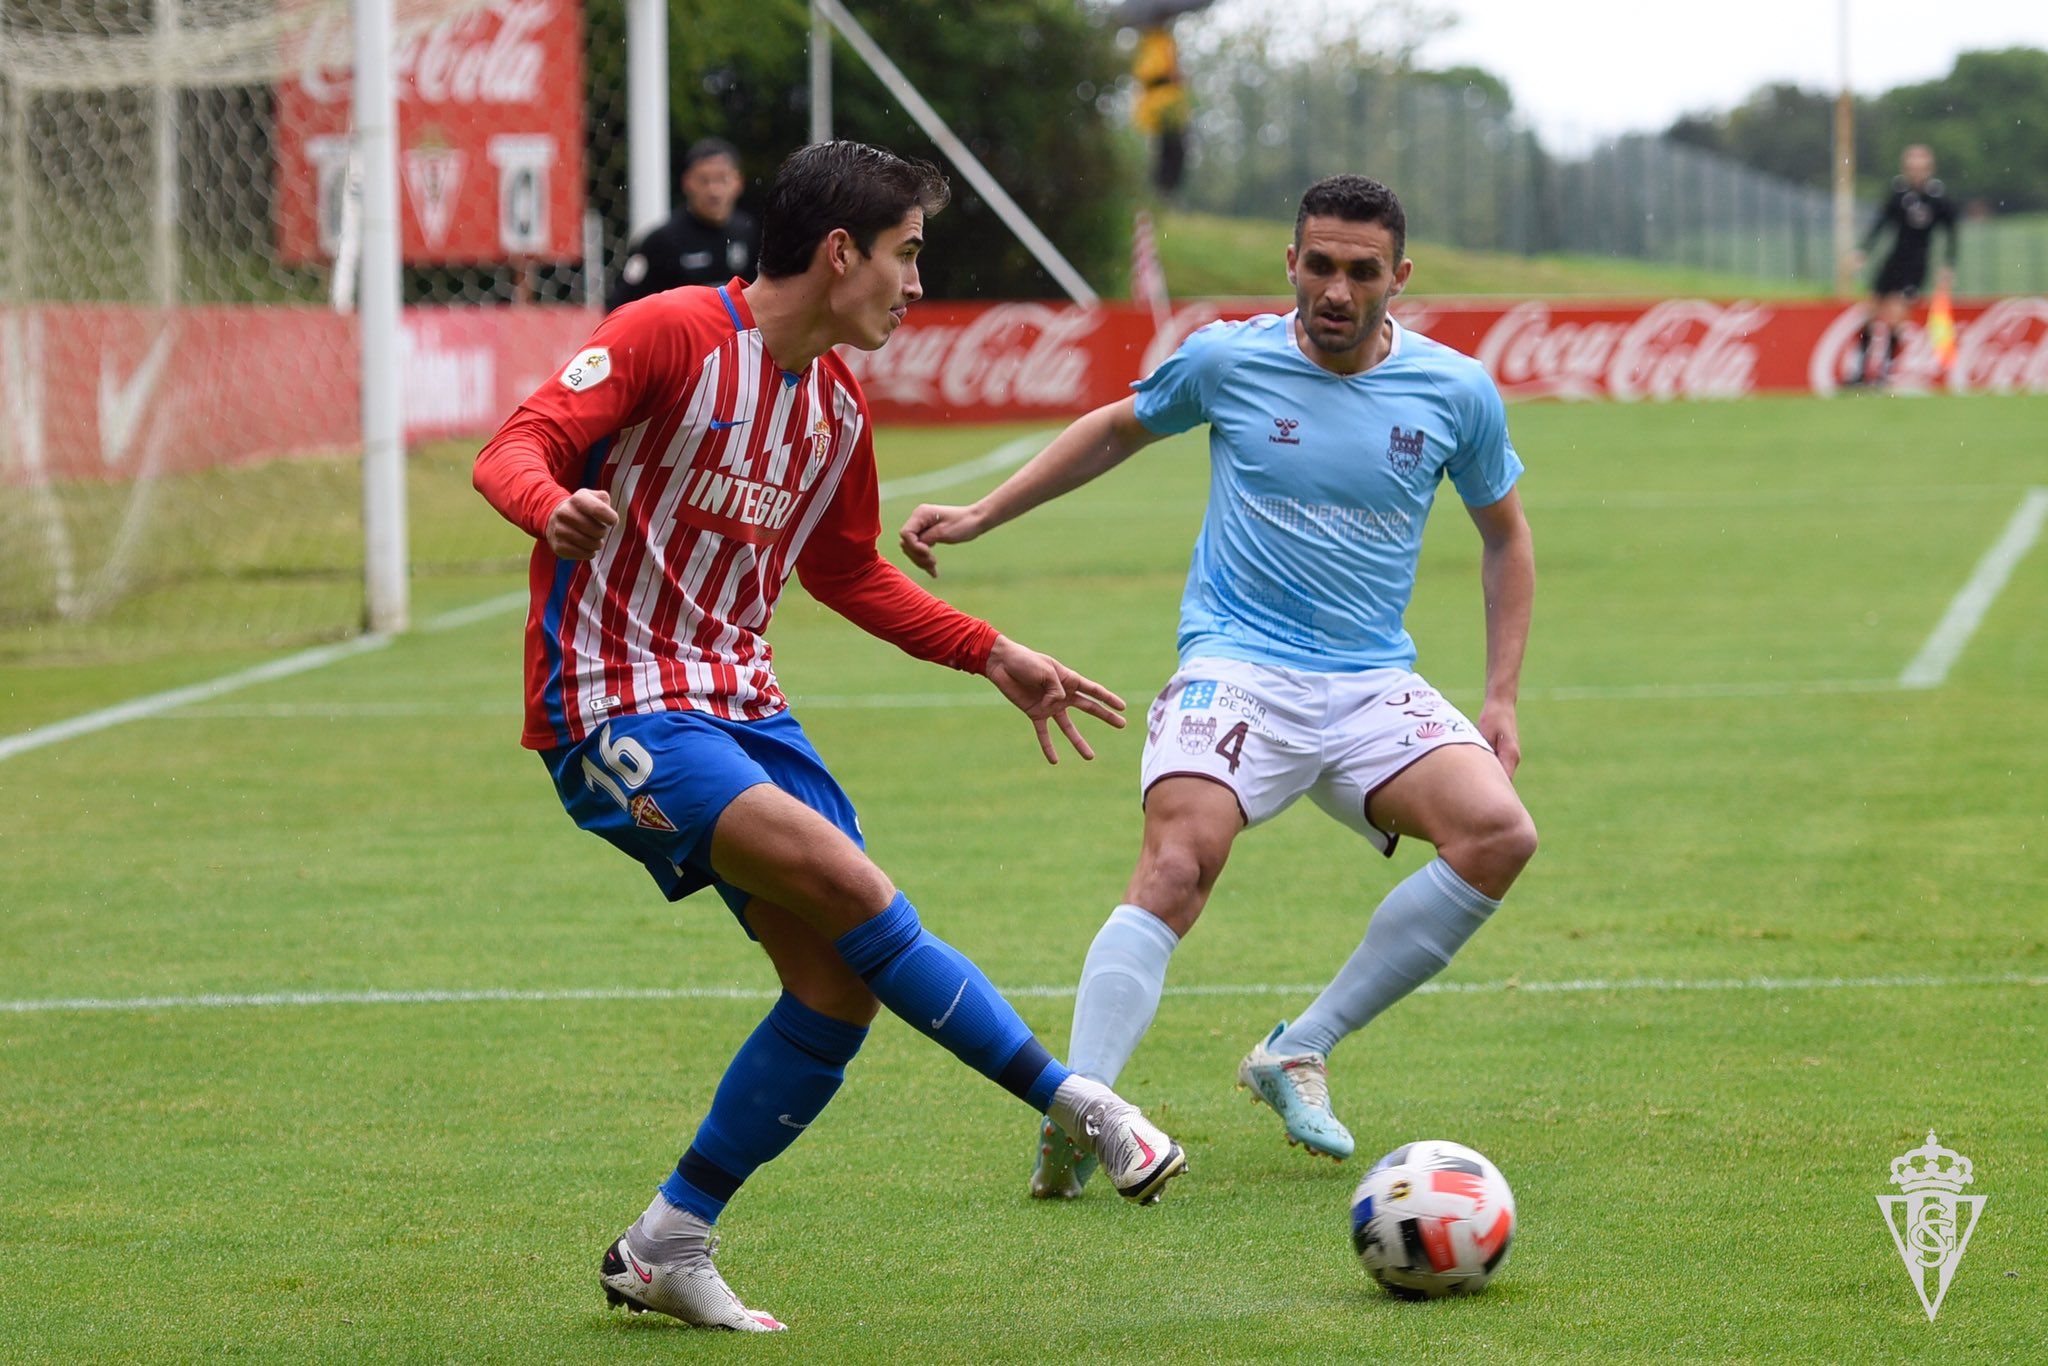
(1271, 734)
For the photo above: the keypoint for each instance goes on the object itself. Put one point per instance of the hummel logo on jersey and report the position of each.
(1404, 449)
(718, 426)
(1286, 436)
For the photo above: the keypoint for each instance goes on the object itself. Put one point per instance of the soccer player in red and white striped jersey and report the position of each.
(704, 445)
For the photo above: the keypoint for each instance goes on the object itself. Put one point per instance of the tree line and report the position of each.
(1987, 121)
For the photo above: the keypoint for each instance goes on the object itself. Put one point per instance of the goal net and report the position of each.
(179, 357)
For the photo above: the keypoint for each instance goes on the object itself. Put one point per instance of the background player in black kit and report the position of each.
(1917, 205)
(708, 241)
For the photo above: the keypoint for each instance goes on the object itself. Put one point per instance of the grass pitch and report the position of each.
(1787, 917)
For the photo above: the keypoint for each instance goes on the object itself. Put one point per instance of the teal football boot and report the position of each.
(1297, 1086)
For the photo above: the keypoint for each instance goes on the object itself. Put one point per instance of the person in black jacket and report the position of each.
(707, 243)
(1917, 206)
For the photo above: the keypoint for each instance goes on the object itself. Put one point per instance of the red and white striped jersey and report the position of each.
(728, 473)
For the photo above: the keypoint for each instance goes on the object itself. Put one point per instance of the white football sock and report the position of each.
(1119, 993)
(1426, 918)
(665, 1232)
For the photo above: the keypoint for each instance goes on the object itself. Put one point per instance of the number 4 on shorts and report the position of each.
(1231, 746)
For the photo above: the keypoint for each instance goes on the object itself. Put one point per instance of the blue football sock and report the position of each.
(934, 989)
(1411, 937)
(1121, 980)
(777, 1083)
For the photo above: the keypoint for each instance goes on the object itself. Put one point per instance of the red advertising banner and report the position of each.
(1017, 361)
(113, 392)
(490, 136)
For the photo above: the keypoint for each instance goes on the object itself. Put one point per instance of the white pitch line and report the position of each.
(1704, 499)
(1574, 986)
(1003, 457)
(945, 701)
(336, 711)
(1623, 692)
(477, 611)
(1930, 667)
(155, 704)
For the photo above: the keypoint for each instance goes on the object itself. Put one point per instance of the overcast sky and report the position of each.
(1580, 68)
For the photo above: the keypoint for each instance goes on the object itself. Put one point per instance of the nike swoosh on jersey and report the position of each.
(718, 426)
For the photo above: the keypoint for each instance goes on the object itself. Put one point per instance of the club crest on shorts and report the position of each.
(648, 816)
(1404, 449)
(1932, 1222)
(1197, 733)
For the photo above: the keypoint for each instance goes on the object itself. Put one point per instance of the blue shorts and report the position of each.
(656, 784)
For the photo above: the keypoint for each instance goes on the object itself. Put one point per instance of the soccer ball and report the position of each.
(1432, 1218)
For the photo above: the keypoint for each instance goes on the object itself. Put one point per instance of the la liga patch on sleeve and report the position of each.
(590, 369)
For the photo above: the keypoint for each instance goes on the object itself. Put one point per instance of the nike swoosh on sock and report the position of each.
(940, 1023)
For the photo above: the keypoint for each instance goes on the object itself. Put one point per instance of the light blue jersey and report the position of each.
(1319, 487)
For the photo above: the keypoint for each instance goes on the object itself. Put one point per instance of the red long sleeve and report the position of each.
(841, 568)
(524, 470)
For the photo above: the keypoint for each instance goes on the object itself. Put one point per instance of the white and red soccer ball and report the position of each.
(1431, 1219)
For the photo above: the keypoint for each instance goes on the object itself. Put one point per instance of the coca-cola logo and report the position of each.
(490, 55)
(1024, 355)
(1834, 357)
(2004, 350)
(1681, 349)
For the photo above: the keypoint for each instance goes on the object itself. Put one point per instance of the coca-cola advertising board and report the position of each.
(105, 391)
(1018, 361)
(490, 138)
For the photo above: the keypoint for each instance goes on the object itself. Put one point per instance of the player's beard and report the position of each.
(1372, 320)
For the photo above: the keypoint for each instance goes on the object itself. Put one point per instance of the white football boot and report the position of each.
(1136, 1155)
(1062, 1167)
(687, 1288)
(1297, 1086)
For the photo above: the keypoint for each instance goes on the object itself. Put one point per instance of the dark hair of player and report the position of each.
(704, 149)
(1355, 199)
(849, 185)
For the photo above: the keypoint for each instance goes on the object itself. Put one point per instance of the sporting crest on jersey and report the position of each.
(820, 447)
(1404, 449)
(591, 368)
(648, 816)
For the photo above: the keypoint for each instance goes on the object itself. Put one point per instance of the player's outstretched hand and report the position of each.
(933, 525)
(1046, 690)
(1497, 725)
(577, 526)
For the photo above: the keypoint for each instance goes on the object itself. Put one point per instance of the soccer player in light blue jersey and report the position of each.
(1330, 429)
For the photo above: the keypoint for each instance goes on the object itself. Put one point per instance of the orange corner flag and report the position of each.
(1941, 329)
